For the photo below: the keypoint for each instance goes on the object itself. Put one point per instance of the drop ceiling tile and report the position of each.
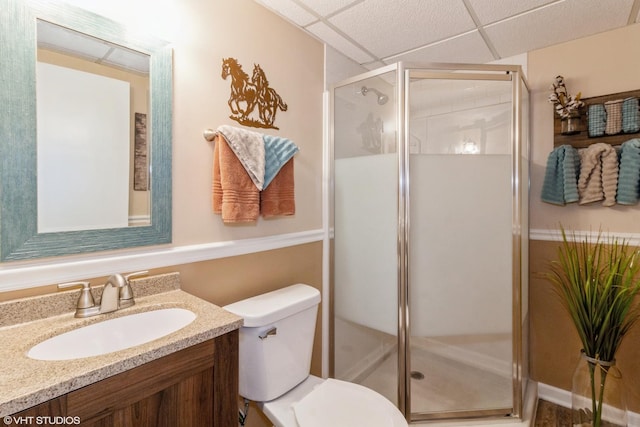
(388, 28)
(326, 7)
(339, 43)
(496, 10)
(550, 25)
(468, 48)
(376, 64)
(290, 10)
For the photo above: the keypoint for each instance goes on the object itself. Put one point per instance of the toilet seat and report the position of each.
(320, 403)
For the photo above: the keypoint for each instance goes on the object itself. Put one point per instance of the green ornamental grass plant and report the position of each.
(597, 282)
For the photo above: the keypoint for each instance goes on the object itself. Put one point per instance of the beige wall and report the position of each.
(606, 63)
(203, 33)
(293, 62)
(602, 64)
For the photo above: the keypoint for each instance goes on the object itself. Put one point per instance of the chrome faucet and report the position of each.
(117, 293)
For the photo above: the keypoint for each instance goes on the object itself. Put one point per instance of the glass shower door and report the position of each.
(365, 230)
(460, 275)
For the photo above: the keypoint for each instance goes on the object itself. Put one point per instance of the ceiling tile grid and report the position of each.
(388, 27)
(339, 42)
(328, 7)
(473, 31)
(490, 11)
(468, 48)
(291, 11)
(552, 25)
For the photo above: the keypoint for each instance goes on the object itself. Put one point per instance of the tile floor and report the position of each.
(551, 415)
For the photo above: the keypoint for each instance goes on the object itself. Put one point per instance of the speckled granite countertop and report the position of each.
(26, 382)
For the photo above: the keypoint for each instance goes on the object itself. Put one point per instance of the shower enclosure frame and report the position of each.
(404, 72)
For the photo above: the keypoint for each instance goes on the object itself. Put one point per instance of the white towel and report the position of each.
(249, 148)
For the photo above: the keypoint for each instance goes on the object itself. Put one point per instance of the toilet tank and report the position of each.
(276, 340)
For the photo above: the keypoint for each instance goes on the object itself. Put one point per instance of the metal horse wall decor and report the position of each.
(246, 95)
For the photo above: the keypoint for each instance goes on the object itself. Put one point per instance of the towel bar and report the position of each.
(209, 134)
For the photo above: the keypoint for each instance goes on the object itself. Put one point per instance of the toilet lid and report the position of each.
(342, 404)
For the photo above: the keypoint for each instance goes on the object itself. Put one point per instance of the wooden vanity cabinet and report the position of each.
(197, 386)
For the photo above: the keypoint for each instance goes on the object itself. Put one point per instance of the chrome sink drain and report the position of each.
(417, 375)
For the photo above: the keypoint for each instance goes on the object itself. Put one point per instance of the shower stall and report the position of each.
(429, 226)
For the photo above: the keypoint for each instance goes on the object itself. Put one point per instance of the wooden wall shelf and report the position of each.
(582, 139)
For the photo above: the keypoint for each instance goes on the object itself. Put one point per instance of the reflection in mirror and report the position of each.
(92, 103)
(24, 122)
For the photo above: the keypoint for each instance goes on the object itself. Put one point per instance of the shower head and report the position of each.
(382, 98)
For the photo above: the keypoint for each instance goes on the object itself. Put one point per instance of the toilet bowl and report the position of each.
(320, 403)
(276, 343)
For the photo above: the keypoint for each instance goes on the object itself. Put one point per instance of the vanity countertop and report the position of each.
(27, 382)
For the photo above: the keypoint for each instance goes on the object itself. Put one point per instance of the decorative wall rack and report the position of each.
(582, 139)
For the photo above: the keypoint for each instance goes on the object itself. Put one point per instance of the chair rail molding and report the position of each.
(19, 275)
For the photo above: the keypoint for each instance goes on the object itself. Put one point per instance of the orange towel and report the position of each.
(235, 196)
(279, 198)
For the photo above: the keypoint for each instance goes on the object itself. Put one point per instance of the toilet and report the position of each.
(276, 343)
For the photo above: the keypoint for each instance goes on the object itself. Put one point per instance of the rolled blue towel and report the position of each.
(597, 119)
(560, 184)
(628, 192)
(630, 115)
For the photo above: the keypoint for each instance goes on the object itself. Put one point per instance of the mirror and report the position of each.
(21, 236)
(95, 176)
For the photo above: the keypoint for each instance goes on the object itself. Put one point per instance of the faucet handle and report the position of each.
(73, 285)
(85, 300)
(135, 275)
(126, 293)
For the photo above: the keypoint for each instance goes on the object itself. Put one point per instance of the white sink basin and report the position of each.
(112, 335)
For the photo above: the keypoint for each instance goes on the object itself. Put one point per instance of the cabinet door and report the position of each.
(186, 403)
(194, 387)
(147, 391)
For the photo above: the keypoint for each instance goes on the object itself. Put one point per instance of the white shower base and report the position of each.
(469, 377)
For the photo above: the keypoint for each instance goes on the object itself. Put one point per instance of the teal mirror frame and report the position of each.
(19, 237)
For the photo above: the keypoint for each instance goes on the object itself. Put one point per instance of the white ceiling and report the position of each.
(377, 32)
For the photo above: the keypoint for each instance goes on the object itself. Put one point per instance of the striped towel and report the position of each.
(630, 115)
(598, 178)
(629, 179)
(614, 117)
(597, 119)
(277, 151)
(560, 180)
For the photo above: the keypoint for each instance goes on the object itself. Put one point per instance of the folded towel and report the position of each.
(598, 178)
(614, 117)
(279, 197)
(249, 148)
(630, 115)
(235, 196)
(629, 179)
(597, 119)
(217, 184)
(561, 176)
(277, 151)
